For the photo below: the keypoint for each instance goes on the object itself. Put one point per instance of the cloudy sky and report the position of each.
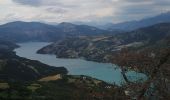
(80, 10)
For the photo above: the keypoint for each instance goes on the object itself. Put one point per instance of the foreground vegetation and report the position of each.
(67, 88)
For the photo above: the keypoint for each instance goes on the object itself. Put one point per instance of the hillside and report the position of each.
(150, 34)
(7, 45)
(73, 29)
(101, 48)
(66, 88)
(14, 68)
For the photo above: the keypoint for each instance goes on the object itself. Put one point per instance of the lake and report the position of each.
(103, 71)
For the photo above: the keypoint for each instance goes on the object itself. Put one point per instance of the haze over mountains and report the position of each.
(128, 25)
(35, 31)
(132, 25)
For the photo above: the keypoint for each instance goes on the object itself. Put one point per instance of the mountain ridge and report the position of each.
(133, 25)
(30, 31)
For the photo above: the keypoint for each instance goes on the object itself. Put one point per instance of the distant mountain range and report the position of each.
(133, 25)
(34, 31)
(130, 25)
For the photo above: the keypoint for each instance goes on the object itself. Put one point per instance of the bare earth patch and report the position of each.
(4, 85)
(51, 78)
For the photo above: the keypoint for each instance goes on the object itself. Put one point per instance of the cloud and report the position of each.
(162, 3)
(56, 10)
(29, 2)
(39, 3)
(81, 10)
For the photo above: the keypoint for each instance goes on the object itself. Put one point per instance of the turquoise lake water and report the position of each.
(103, 71)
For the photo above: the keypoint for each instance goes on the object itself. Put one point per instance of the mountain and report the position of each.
(72, 29)
(102, 26)
(133, 25)
(102, 48)
(151, 34)
(27, 31)
(35, 31)
(7, 45)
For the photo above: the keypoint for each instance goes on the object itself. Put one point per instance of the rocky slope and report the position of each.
(90, 48)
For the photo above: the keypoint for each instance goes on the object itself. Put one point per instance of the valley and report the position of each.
(66, 61)
(21, 78)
